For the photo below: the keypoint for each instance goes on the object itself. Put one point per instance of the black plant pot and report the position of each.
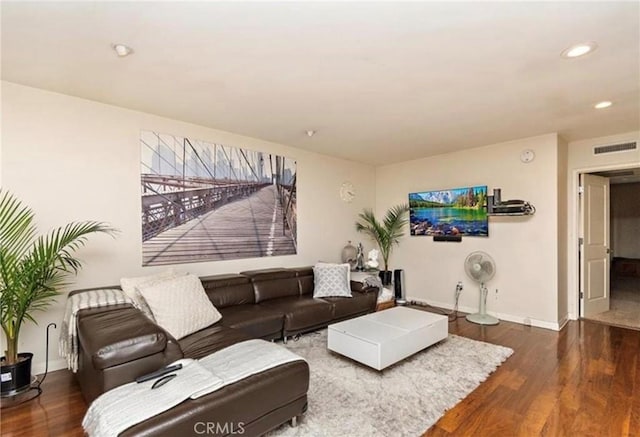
(386, 276)
(16, 377)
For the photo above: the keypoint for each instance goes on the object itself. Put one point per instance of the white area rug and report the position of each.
(349, 399)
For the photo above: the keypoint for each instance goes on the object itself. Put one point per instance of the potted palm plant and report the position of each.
(386, 233)
(33, 269)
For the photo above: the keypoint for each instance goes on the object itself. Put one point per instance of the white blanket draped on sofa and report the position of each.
(98, 298)
(370, 280)
(130, 404)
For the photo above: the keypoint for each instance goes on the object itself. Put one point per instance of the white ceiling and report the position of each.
(380, 82)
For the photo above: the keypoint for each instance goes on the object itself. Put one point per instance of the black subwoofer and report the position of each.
(398, 286)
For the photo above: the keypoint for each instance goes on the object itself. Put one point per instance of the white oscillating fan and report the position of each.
(480, 267)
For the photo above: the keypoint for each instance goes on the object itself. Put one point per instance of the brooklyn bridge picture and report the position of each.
(209, 202)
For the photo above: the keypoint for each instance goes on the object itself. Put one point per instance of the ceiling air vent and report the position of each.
(623, 147)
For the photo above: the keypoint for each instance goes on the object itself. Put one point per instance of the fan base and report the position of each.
(482, 319)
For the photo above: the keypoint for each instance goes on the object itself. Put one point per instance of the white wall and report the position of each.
(74, 159)
(625, 220)
(1, 141)
(581, 159)
(563, 232)
(581, 155)
(525, 248)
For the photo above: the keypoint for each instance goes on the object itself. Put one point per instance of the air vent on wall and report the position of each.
(623, 147)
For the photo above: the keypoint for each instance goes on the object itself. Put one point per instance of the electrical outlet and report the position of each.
(459, 288)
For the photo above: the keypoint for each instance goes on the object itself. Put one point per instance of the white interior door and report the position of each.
(594, 256)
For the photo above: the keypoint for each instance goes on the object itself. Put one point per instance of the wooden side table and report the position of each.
(386, 305)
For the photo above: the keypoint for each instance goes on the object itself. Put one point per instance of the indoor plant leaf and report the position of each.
(33, 268)
(386, 233)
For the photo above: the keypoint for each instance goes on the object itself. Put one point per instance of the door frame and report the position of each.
(574, 306)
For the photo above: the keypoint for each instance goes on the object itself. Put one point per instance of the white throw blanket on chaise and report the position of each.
(369, 280)
(121, 408)
(103, 297)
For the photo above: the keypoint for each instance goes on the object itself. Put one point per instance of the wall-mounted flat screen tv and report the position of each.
(459, 211)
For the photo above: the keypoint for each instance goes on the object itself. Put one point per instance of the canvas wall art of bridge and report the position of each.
(208, 202)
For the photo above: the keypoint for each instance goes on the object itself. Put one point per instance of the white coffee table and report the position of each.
(386, 337)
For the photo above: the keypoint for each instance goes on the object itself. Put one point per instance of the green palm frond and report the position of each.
(386, 234)
(33, 268)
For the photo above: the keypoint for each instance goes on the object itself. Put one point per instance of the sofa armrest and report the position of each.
(116, 346)
(361, 287)
(112, 338)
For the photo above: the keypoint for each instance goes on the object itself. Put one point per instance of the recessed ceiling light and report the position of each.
(578, 50)
(311, 133)
(602, 105)
(122, 50)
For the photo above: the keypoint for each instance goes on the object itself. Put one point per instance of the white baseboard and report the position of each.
(527, 321)
(563, 321)
(37, 368)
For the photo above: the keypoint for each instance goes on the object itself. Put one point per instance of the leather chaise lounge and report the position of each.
(117, 344)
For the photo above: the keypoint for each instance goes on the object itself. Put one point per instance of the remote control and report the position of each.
(162, 381)
(158, 373)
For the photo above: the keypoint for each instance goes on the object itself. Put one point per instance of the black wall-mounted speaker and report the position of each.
(398, 284)
(449, 238)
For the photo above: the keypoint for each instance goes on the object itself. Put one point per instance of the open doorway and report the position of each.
(610, 249)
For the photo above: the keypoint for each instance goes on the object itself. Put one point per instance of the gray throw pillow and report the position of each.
(331, 280)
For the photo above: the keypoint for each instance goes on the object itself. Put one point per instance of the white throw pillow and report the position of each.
(331, 280)
(343, 264)
(180, 305)
(129, 286)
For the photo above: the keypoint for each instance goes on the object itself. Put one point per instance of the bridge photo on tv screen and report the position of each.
(459, 211)
(209, 202)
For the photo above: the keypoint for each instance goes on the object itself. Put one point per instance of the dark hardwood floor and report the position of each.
(582, 381)
(57, 412)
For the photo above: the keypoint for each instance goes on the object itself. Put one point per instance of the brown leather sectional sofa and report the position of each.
(118, 344)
